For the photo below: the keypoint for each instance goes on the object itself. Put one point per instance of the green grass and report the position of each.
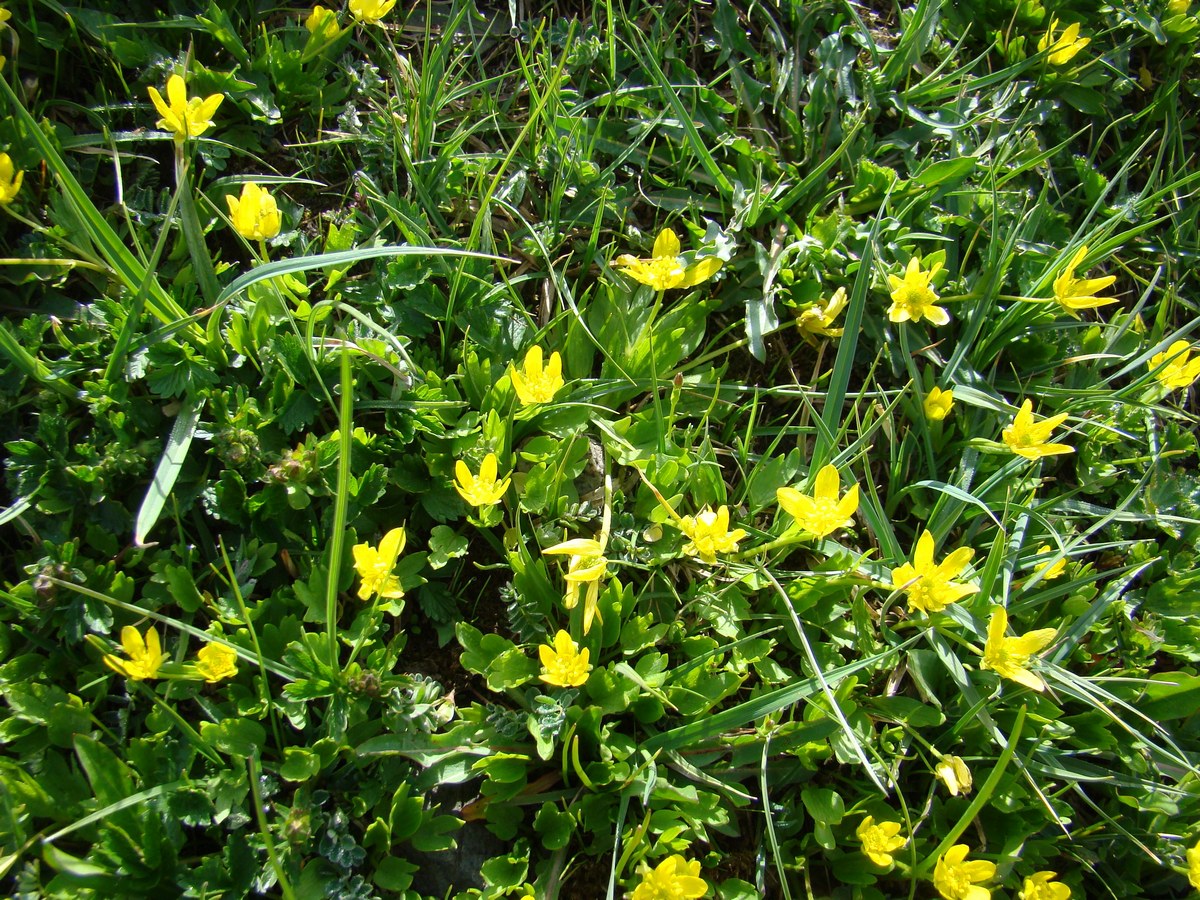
(209, 433)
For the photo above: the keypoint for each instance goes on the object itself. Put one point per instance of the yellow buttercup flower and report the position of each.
(184, 117)
(481, 489)
(931, 586)
(913, 298)
(953, 772)
(938, 404)
(255, 215)
(1009, 657)
(375, 566)
(587, 565)
(1193, 861)
(956, 879)
(5, 15)
(708, 534)
(880, 841)
(1178, 8)
(675, 878)
(145, 655)
(1048, 571)
(1063, 48)
(535, 383)
(1173, 368)
(322, 23)
(216, 661)
(1042, 886)
(371, 11)
(1028, 438)
(10, 180)
(564, 664)
(1074, 294)
(817, 320)
(823, 513)
(666, 269)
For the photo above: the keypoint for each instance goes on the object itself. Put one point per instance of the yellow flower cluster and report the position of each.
(255, 215)
(145, 658)
(931, 586)
(563, 663)
(375, 566)
(183, 116)
(880, 840)
(913, 297)
(482, 489)
(1173, 368)
(1029, 438)
(823, 512)
(665, 269)
(10, 180)
(675, 878)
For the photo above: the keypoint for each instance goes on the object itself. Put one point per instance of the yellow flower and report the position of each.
(10, 180)
(953, 772)
(665, 269)
(587, 565)
(955, 878)
(930, 585)
(535, 384)
(1178, 8)
(371, 11)
(1193, 861)
(912, 297)
(1042, 886)
(481, 489)
(1063, 48)
(880, 840)
(1008, 657)
(938, 404)
(817, 320)
(1028, 438)
(708, 534)
(1174, 368)
(675, 878)
(822, 513)
(1074, 294)
(216, 661)
(145, 655)
(564, 664)
(185, 117)
(1048, 571)
(322, 23)
(255, 215)
(375, 566)
(5, 15)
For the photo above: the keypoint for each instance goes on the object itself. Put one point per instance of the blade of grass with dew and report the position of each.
(169, 465)
(339, 258)
(341, 503)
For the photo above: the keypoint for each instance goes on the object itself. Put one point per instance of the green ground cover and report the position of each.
(599, 449)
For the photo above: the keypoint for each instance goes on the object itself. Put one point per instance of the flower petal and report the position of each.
(666, 244)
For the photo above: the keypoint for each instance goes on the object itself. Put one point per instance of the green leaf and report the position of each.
(948, 172)
(110, 778)
(80, 873)
(299, 764)
(236, 737)
(395, 874)
(167, 472)
(554, 826)
(824, 805)
(445, 544)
